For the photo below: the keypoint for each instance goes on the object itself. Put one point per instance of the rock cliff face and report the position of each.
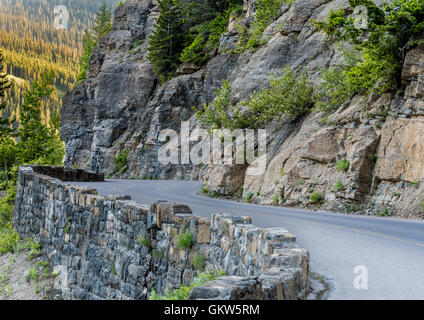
(122, 106)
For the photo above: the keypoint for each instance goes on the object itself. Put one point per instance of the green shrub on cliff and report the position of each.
(316, 197)
(120, 162)
(207, 37)
(380, 47)
(287, 96)
(102, 26)
(249, 196)
(333, 91)
(266, 13)
(343, 165)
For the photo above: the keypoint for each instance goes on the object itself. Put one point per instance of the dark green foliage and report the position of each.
(37, 141)
(32, 142)
(88, 43)
(166, 41)
(103, 22)
(207, 38)
(4, 85)
(102, 26)
(187, 31)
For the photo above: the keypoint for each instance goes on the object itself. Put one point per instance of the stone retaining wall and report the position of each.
(93, 242)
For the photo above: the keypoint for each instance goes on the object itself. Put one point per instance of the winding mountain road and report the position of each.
(391, 249)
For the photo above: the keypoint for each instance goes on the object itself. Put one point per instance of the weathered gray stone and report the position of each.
(110, 263)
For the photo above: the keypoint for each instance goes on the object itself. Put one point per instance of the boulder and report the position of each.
(401, 152)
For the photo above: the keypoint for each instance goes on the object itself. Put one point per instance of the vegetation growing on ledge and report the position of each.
(187, 31)
(185, 240)
(378, 49)
(120, 162)
(316, 197)
(183, 292)
(266, 13)
(343, 165)
(199, 262)
(102, 26)
(287, 96)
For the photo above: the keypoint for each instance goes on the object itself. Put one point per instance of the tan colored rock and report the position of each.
(187, 68)
(322, 148)
(204, 234)
(225, 179)
(307, 159)
(401, 154)
(165, 211)
(413, 65)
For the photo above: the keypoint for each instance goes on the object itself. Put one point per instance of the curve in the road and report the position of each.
(392, 250)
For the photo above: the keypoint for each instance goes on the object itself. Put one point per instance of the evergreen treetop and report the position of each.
(166, 41)
(102, 26)
(4, 85)
(103, 22)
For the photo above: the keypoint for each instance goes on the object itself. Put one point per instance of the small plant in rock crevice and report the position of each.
(199, 262)
(276, 199)
(316, 197)
(144, 241)
(183, 292)
(121, 162)
(249, 196)
(185, 240)
(343, 165)
(338, 186)
(205, 189)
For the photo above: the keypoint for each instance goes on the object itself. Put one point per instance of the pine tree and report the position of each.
(88, 44)
(103, 22)
(4, 85)
(38, 142)
(166, 41)
(102, 26)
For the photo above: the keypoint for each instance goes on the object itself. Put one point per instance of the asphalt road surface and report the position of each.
(391, 250)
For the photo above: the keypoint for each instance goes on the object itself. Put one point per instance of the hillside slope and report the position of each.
(121, 108)
(32, 46)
